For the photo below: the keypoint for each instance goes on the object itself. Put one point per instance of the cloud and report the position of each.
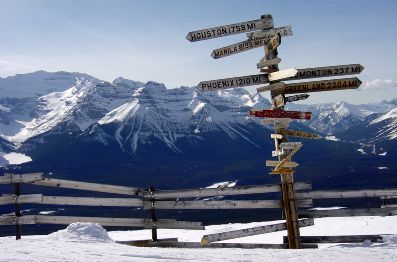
(8, 68)
(377, 84)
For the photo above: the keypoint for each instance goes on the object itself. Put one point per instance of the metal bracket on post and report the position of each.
(17, 211)
(153, 214)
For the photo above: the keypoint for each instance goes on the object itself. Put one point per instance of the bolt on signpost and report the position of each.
(270, 38)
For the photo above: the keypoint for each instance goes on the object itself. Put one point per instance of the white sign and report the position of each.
(289, 145)
(261, 35)
(282, 74)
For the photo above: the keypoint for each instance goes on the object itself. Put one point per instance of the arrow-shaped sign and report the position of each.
(264, 63)
(288, 157)
(260, 35)
(282, 74)
(295, 133)
(289, 145)
(319, 86)
(225, 30)
(248, 44)
(233, 82)
(275, 87)
(281, 114)
(287, 164)
(296, 97)
(327, 71)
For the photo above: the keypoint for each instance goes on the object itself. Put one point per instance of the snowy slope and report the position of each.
(90, 242)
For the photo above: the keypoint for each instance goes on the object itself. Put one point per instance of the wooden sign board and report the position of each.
(281, 114)
(277, 152)
(273, 43)
(248, 44)
(288, 164)
(225, 30)
(264, 63)
(276, 87)
(289, 145)
(267, 34)
(276, 121)
(278, 101)
(282, 171)
(282, 74)
(301, 134)
(328, 71)
(319, 86)
(233, 82)
(296, 97)
(288, 157)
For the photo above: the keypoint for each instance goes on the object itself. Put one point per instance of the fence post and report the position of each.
(153, 214)
(17, 211)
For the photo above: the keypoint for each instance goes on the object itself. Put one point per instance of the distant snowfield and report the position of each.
(90, 242)
(14, 158)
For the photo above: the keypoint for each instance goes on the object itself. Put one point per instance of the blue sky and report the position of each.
(145, 40)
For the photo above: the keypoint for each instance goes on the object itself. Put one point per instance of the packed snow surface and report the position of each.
(90, 242)
(15, 158)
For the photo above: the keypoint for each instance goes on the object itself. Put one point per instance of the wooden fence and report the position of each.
(151, 199)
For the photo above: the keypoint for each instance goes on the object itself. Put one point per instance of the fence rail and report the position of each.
(349, 212)
(104, 221)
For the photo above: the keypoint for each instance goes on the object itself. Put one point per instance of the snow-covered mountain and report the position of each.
(72, 120)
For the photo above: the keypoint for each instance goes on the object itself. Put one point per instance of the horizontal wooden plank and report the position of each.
(72, 201)
(223, 245)
(251, 231)
(388, 197)
(20, 178)
(338, 239)
(388, 206)
(224, 191)
(225, 204)
(287, 164)
(121, 190)
(349, 212)
(323, 194)
(104, 221)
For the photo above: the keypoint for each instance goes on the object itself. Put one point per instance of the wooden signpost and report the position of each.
(270, 38)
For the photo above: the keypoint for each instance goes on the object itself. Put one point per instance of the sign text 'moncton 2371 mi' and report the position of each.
(281, 114)
(214, 32)
(327, 71)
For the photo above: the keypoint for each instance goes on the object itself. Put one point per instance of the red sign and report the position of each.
(281, 114)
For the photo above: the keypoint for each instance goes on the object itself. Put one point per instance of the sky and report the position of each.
(145, 40)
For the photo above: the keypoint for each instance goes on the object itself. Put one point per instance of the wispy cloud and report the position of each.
(377, 84)
(8, 68)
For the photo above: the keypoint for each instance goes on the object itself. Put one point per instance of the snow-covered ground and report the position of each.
(90, 242)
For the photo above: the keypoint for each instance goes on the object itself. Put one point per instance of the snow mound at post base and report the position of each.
(83, 232)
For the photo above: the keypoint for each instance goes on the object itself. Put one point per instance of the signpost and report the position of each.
(270, 38)
(281, 114)
(264, 23)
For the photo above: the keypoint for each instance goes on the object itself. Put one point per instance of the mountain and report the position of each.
(141, 134)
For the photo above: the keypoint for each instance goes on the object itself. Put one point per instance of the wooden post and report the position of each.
(17, 211)
(153, 214)
(287, 180)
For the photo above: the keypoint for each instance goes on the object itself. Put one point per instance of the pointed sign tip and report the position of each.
(189, 37)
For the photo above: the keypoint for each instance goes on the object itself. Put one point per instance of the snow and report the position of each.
(16, 158)
(90, 242)
(121, 113)
(331, 138)
(383, 154)
(382, 168)
(392, 114)
(223, 184)
(361, 151)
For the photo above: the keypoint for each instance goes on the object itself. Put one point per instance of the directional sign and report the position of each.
(276, 87)
(288, 157)
(319, 86)
(214, 32)
(281, 114)
(248, 44)
(283, 171)
(296, 97)
(277, 153)
(282, 74)
(276, 121)
(289, 145)
(233, 82)
(327, 71)
(278, 101)
(264, 63)
(273, 43)
(287, 164)
(266, 35)
(302, 134)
